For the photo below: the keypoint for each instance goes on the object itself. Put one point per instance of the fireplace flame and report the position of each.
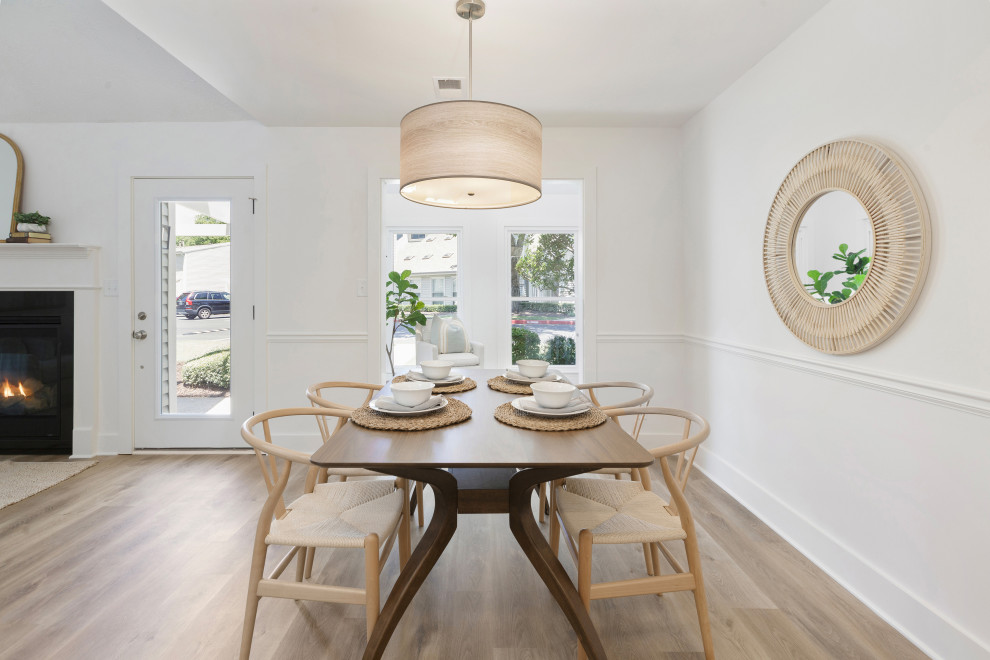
(9, 390)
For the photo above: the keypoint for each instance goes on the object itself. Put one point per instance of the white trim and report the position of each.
(889, 599)
(376, 358)
(640, 338)
(47, 250)
(957, 398)
(317, 337)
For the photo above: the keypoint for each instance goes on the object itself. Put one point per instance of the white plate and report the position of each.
(547, 412)
(517, 377)
(449, 380)
(443, 404)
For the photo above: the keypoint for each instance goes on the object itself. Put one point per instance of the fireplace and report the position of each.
(36, 367)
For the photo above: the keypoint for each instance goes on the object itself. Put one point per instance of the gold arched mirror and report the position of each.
(11, 173)
(846, 247)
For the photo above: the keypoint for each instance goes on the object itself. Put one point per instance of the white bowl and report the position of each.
(553, 395)
(533, 368)
(436, 368)
(411, 393)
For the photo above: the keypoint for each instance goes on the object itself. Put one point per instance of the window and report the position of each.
(543, 297)
(436, 280)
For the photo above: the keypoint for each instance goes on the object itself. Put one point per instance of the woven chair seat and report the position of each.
(616, 512)
(339, 515)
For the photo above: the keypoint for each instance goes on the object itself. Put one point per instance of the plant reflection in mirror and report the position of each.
(855, 269)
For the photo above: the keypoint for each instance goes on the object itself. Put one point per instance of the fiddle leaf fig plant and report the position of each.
(855, 268)
(403, 308)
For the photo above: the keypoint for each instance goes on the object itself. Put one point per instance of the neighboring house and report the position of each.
(202, 267)
(432, 258)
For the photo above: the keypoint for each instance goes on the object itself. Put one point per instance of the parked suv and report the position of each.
(203, 304)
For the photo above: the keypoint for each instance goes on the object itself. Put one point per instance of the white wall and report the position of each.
(875, 465)
(317, 216)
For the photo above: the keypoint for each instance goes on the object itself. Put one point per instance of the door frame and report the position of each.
(127, 310)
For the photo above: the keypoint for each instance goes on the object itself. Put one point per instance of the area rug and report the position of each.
(20, 480)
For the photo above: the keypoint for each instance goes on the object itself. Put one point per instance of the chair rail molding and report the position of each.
(315, 337)
(963, 399)
(639, 338)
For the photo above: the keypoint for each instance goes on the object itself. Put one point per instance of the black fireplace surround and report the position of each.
(36, 371)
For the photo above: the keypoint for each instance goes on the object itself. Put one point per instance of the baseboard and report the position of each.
(917, 620)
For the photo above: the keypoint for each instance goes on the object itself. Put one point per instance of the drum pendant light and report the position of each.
(470, 154)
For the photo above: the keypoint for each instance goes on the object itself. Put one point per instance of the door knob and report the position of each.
(139, 334)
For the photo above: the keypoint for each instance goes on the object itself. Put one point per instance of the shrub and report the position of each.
(440, 308)
(212, 369)
(560, 350)
(525, 345)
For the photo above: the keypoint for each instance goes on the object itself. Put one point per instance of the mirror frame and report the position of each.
(18, 180)
(901, 246)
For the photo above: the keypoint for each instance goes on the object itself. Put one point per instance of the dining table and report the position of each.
(482, 466)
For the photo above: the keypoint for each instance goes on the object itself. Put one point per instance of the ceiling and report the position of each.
(78, 61)
(359, 63)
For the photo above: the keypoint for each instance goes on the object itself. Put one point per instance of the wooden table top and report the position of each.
(481, 441)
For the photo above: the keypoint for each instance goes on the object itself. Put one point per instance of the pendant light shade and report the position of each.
(470, 155)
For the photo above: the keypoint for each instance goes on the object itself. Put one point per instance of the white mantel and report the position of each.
(66, 267)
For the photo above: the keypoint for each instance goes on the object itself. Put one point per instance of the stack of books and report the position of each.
(29, 237)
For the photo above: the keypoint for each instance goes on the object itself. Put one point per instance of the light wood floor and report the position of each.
(147, 557)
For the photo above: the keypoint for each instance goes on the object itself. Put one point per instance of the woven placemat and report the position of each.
(506, 414)
(456, 411)
(463, 386)
(503, 384)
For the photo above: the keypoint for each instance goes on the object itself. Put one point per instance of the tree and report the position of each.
(189, 241)
(403, 307)
(548, 262)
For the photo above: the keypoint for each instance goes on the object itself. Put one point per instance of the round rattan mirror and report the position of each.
(864, 291)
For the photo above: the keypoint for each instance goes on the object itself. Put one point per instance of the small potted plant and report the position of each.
(30, 228)
(32, 222)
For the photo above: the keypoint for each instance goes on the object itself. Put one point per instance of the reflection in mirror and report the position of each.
(10, 180)
(833, 247)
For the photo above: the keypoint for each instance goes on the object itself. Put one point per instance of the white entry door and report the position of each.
(193, 309)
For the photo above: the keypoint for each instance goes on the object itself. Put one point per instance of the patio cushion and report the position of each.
(453, 337)
(462, 359)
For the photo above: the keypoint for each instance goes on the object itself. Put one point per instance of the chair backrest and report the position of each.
(318, 397)
(269, 453)
(685, 449)
(645, 395)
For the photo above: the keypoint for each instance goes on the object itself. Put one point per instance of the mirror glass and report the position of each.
(833, 247)
(8, 183)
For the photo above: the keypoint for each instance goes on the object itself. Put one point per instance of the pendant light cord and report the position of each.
(471, 55)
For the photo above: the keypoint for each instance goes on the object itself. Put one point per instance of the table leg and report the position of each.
(530, 539)
(424, 557)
